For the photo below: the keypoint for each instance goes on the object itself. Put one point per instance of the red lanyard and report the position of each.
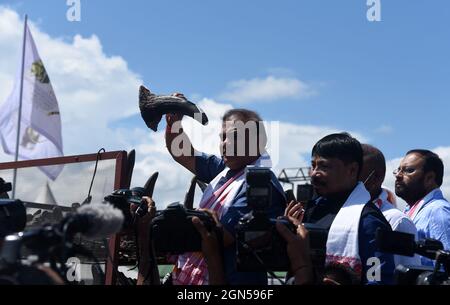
(219, 192)
(379, 203)
(413, 209)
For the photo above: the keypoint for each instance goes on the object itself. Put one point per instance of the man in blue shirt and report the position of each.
(417, 181)
(219, 172)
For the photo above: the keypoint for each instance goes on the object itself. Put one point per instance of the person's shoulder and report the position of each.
(398, 220)
(274, 178)
(208, 166)
(209, 158)
(405, 225)
(435, 210)
(275, 182)
(370, 209)
(372, 217)
(438, 204)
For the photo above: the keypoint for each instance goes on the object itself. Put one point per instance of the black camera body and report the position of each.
(123, 199)
(419, 275)
(404, 244)
(259, 188)
(173, 232)
(13, 216)
(258, 244)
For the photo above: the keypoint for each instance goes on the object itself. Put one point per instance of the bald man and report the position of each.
(372, 174)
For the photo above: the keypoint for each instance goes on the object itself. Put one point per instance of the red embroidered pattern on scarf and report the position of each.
(350, 262)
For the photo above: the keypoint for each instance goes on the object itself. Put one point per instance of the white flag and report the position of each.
(40, 126)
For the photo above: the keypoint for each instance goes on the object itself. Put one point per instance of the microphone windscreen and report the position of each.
(104, 219)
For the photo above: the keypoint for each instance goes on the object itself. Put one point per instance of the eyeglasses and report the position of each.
(404, 171)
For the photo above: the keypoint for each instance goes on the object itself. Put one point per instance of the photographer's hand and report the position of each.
(298, 252)
(146, 252)
(228, 239)
(144, 222)
(211, 252)
(295, 212)
(175, 130)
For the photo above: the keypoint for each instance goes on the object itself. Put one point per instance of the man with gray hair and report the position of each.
(372, 174)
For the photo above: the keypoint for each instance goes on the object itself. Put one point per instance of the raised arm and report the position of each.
(178, 143)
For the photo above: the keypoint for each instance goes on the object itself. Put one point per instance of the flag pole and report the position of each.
(20, 105)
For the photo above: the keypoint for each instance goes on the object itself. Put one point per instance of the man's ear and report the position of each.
(353, 169)
(430, 180)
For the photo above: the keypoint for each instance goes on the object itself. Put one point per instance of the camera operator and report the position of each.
(148, 273)
(226, 192)
(297, 249)
(417, 181)
(373, 173)
(23, 275)
(344, 208)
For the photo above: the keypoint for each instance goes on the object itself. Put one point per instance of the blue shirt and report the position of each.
(207, 167)
(433, 221)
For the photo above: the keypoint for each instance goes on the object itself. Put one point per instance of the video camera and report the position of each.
(55, 243)
(124, 198)
(13, 216)
(173, 231)
(259, 245)
(404, 244)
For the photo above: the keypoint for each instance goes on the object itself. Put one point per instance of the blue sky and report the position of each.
(392, 73)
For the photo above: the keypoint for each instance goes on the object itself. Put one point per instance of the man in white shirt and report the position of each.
(372, 174)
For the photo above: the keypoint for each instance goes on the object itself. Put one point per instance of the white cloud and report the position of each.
(266, 89)
(384, 129)
(92, 88)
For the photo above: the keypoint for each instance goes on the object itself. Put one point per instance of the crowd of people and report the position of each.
(350, 203)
